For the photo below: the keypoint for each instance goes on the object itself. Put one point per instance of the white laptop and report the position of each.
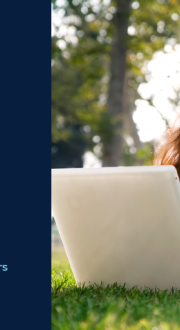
(120, 224)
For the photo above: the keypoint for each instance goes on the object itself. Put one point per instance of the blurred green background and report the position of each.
(115, 81)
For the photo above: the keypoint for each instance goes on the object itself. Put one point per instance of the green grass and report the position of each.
(110, 308)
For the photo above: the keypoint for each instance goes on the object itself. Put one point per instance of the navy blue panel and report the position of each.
(25, 164)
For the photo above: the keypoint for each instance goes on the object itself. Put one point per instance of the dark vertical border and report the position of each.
(25, 165)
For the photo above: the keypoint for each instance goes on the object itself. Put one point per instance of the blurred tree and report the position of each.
(112, 150)
(75, 110)
(103, 98)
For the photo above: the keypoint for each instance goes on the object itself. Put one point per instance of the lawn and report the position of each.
(108, 308)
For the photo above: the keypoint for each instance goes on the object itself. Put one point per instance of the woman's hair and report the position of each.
(169, 153)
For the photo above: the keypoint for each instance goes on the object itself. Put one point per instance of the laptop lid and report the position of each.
(120, 224)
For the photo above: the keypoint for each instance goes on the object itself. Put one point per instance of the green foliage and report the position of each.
(143, 156)
(74, 106)
(113, 307)
(146, 154)
(76, 83)
(154, 26)
(80, 72)
(129, 158)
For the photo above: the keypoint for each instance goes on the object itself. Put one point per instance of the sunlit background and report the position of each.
(161, 73)
(82, 40)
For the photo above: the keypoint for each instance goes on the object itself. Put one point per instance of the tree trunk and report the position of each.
(112, 151)
(128, 105)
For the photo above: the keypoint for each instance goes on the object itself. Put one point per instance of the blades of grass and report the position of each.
(55, 323)
(61, 285)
